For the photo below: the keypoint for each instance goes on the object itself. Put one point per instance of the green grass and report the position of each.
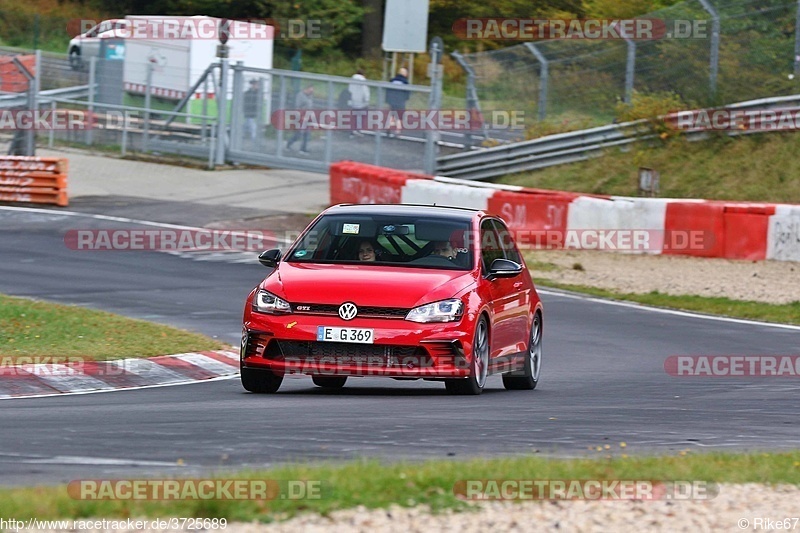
(376, 485)
(778, 313)
(31, 328)
(762, 167)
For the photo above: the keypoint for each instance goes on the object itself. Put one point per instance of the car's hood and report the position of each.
(365, 284)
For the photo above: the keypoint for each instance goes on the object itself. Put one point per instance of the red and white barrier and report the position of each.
(733, 230)
(783, 233)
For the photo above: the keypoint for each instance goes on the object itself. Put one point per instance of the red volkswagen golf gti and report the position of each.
(400, 291)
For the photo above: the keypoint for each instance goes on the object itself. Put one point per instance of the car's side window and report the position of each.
(507, 242)
(490, 245)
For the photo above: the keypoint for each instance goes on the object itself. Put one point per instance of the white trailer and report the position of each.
(177, 63)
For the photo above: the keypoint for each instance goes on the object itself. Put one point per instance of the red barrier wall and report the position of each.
(531, 212)
(746, 228)
(698, 228)
(358, 183)
(684, 218)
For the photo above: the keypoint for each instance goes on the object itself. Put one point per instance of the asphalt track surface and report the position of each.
(603, 382)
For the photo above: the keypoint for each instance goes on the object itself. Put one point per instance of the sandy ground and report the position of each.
(735, 508)
(762, 281)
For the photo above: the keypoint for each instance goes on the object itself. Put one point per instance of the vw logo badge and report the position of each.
(348, 311)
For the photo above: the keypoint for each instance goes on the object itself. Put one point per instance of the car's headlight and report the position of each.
(444, 311)
(266, 302)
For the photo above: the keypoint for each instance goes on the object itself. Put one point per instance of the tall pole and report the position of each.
(147, 99)
(797, 41)
(630, 70)
(222, 96)
(544, 78)
(715, 31)
(434, 102)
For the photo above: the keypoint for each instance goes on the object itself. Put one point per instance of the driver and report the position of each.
(444, 249)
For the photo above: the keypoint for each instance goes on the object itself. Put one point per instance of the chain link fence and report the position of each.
(713, 53)
(159, 114)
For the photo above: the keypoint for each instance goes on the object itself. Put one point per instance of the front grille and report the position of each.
(352, 353)
(364, 312)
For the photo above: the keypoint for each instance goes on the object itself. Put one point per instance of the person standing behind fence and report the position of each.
(251, 110)
(397, 98)
(304, 101)
(359, 99)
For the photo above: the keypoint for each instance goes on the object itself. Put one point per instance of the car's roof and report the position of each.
(452, 213)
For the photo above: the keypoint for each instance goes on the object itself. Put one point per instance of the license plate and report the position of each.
(357, 335)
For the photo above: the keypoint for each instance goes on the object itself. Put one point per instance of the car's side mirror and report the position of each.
(270, 258)
(504, 268)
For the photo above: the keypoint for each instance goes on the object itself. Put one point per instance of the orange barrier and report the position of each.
(38, 180)
(11, 79)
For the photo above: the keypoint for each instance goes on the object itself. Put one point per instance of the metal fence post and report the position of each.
(222, 110)
(148, 91)
(37, 88)
(282, 108)
(379, 134)
(797, 40)
(204, 128)
(472, 93)
(51, 134)
(715, 31)
(125, 117)
(434, 102)
(237, 133)
(544, 78)
(329, 133)
(90, 107)
(630, 70)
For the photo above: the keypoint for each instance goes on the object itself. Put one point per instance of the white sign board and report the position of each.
(405, 26)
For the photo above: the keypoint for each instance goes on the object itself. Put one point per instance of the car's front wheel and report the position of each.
(260, 381)
(533, 361)
(479, 367)
(75, 60)
(329, 382)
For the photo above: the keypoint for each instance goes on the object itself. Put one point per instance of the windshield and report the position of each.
(424, 241)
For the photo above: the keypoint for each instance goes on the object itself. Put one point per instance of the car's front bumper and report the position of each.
(287, 344)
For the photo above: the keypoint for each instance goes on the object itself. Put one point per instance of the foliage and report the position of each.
(652, 107)
(757, 168)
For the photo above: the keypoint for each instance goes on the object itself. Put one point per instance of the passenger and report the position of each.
(444, 248)
(366, 251)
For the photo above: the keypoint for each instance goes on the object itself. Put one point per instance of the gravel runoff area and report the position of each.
(727, 512)
(762, 281)
(746, 507)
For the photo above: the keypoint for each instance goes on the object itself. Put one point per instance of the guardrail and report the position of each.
(44, 97)
(575, 146)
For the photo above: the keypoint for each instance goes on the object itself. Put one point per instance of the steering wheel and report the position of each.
(433, 260)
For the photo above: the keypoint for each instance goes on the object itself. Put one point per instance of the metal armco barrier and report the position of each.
(577, 145)
(38, 180)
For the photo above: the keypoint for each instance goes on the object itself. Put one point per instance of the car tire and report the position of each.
(329, 382)
(479, 365)
(260, 381)
(75, 61)
(533, 361)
